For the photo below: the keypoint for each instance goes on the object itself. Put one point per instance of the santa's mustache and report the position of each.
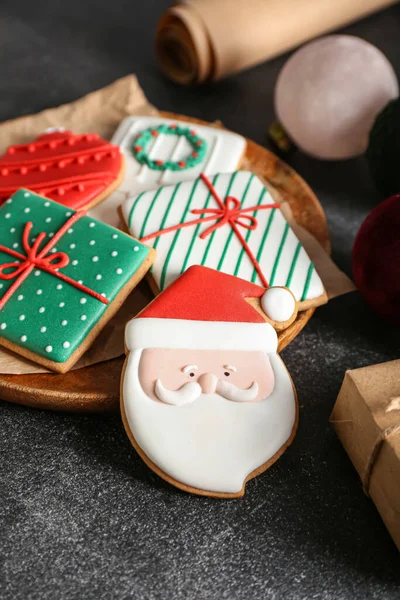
(191, 391)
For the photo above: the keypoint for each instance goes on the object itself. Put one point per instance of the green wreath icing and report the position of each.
(144, 138)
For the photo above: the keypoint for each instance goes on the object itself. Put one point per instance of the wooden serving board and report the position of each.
(96, 388)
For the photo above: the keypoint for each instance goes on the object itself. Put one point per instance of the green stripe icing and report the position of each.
(308, 281)
(278, 255)
(176, 236)
(248, 234)
(232, 179)
(149, 212)
(165, 217)
(133, 208)
(196, 231)
(228, 241)
(264, 239)
(293, 265)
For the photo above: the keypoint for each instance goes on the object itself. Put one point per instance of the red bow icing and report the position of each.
(43, 260)
(228, 213)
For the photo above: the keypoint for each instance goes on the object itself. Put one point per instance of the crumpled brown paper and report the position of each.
(101, 112)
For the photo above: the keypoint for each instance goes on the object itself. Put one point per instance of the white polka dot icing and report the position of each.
(23, 338)
(55, 314)
(66, 344)
(49, 348)
(3, 326)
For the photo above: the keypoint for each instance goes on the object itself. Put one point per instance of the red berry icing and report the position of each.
(71, 169)
(182, 163)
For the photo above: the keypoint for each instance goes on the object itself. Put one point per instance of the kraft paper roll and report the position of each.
(201, 40)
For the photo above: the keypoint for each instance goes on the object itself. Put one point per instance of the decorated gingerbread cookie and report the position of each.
(228, 222)
(75, 170)
(163, 152)
(62, 277)
(206, 400)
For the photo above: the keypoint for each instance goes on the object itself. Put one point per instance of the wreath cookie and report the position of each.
(141, 144)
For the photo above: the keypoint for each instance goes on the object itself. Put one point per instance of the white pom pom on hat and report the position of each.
(279, 304)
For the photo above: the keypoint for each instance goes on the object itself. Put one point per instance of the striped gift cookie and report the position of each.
(248, 237)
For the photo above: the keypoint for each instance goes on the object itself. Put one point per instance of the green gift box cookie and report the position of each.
(62, 277)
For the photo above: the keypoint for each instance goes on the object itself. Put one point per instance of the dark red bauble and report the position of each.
(376, 259)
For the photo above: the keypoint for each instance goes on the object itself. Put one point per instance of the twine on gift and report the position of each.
(376, 448)
(43, 260)
(229, 213)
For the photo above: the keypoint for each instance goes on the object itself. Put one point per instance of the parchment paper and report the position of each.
(101, 112)
(200, 40)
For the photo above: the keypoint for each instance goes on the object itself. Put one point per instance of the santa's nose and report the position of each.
(208, 383)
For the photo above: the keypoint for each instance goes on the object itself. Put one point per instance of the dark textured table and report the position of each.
(80, 515)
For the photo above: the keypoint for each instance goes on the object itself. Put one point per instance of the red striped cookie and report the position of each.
(78, 171)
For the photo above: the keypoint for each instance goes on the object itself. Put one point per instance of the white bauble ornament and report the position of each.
(329, 93)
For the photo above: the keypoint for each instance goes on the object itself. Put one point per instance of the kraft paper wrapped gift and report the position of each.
(366, 418)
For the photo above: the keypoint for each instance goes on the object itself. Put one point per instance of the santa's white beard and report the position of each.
(212, 444)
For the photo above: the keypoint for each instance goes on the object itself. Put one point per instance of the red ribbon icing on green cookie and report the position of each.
(43, 260)
(228, 213)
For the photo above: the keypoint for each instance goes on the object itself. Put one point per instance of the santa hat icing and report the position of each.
(204, 309)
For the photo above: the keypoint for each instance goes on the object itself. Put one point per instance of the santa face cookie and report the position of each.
(228, 222)
(163, 152)
(62, 277)
(75, 170)
(206, 400)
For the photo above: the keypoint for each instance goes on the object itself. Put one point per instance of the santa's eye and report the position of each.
(226, 373)
(191, 374)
